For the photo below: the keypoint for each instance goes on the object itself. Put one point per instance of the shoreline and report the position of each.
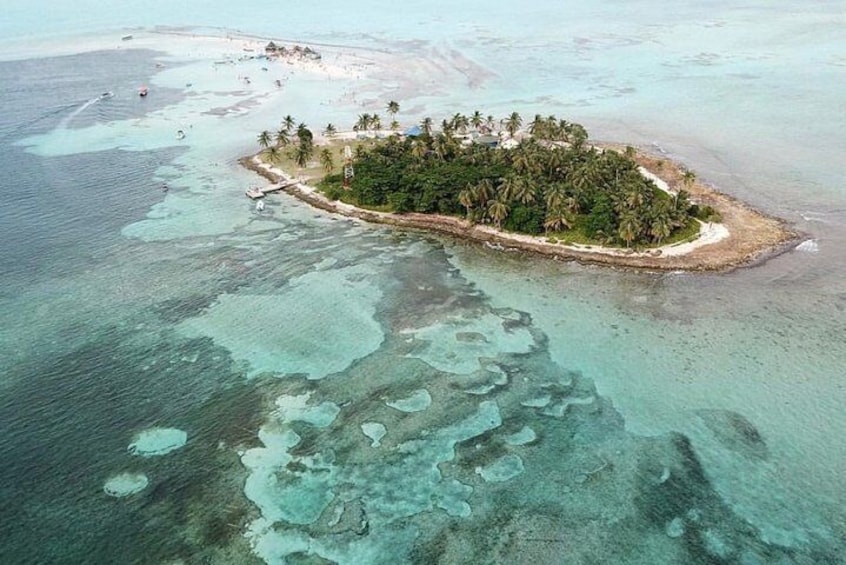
(745, 237)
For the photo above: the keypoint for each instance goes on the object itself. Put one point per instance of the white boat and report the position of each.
(259, 205)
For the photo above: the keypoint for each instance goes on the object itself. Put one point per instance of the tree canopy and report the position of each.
(552, 181)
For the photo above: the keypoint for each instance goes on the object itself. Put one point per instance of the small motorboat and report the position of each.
(180, 134)
(107, 95)
(142, 92)
(259, 205)
(126, 38)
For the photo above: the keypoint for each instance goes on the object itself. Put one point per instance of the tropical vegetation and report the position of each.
(551, 182)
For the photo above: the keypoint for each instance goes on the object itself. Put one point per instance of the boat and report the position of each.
(142, 92)
(126, 38)
(107, 95)
(180, 134)
(259, 205)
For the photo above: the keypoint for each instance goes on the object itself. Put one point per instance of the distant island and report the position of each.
(544, 189)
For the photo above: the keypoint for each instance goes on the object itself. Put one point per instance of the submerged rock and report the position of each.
(125, 484)
(417, 402)
(524, 436)
(505, 468)
(735, 432)
(675, 528)
(157, 441)
(375, 431)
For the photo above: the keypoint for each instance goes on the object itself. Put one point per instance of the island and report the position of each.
(545, 189)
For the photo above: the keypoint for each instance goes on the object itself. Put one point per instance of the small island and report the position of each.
(545, 189)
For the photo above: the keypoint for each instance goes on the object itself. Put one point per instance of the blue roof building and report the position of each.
(414, 131)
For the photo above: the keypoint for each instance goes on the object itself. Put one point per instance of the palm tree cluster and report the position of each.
(367, 122)
(551, 182)
(301, 151)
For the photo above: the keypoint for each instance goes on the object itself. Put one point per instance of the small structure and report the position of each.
(349, 172)
(271, 48)
(489, 140)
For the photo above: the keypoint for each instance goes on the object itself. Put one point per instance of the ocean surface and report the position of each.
(185, 379)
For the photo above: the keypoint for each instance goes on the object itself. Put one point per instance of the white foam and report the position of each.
(157, 441)
(125, 484)
(809, 246)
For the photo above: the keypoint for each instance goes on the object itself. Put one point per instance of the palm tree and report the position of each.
(419, 150)
(460, 123)
(483, 191)
(525, 191)
(661, 224)
(363, 123)
(512, 123)
(490, 123)
(393, 108)
(326, 160)
(555, 194)
(538, 127)
(441, 146)
(288, 121)
(375, 122)
(330, 130)
(273, 155)
(629, 228)
(508, 186)
(303, 155)
(498, 211)
(282, 138)
(426, 125)
(304, 135)
(476, 119)
(264, 139)
(394, 125)
(465, 198)
(556, 219)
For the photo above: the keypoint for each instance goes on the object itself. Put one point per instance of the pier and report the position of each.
(261, 192)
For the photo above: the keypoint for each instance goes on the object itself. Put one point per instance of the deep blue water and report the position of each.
(81, 383)
(60, 214)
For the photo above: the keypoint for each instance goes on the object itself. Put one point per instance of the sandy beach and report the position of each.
(745, 236)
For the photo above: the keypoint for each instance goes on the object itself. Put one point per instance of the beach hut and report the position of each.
(489, 140)
(413, 131)
(271, 48)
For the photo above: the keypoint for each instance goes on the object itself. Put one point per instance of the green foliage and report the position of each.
(705, 213)
(569, 188)
(601, 220)
(525, 219)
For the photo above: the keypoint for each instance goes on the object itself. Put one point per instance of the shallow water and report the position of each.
(367, 395)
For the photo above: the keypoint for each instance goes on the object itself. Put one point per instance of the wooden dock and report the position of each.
(261, 192)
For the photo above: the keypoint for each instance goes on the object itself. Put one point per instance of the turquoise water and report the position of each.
(185, 378)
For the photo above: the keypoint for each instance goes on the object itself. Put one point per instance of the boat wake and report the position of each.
(70, 117)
